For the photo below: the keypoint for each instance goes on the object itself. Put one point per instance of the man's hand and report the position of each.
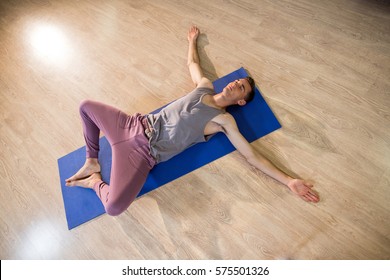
(303, 189)
(193, 34)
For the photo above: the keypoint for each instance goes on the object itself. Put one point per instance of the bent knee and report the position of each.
(115, 210)
(85, 104)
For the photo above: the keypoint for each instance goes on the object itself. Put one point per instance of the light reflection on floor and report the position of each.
(50, 43)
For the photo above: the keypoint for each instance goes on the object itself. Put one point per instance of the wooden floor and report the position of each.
(323, 67)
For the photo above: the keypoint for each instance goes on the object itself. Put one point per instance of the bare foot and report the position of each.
(91, 166)
(88, 182)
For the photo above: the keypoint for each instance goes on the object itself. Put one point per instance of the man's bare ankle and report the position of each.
(92, 161)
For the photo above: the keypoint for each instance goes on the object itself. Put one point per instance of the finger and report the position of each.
(313, 193)
(313, 196)
(309, 185)
(305, 198)
(316, 197)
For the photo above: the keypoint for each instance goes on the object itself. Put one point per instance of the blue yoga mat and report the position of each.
(254, 121)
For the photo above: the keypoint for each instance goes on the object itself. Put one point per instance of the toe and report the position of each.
(69, 183)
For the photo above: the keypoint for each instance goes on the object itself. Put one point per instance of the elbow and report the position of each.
(256, 160)
(190, 63)
(251, 159)
(195, 82)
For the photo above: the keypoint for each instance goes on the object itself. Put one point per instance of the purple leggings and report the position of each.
(131, 159)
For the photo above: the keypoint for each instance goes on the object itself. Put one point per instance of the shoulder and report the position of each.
(223, 122)
(226, 120)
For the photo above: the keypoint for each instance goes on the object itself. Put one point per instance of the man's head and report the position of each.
(251, 94)
(240, 91)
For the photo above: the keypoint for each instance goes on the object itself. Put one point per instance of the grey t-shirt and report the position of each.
(180, 125)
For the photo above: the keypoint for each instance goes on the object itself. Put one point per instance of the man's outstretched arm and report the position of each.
(193, 61)
(300, 187)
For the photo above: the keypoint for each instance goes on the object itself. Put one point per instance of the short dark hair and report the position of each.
(251, 94)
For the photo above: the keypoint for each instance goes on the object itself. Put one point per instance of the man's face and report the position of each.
(237, 90)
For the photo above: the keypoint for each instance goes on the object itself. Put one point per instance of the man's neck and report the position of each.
(219, 101)
(209, 100)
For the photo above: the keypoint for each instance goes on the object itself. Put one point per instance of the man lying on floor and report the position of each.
(139, 142)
